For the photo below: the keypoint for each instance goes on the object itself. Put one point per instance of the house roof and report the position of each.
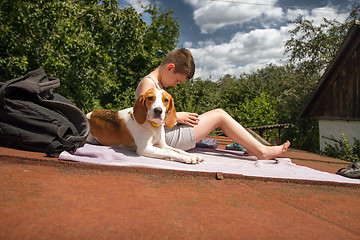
(44, 198)
(337, 95)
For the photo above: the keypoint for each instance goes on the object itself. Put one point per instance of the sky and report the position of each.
(241, 36)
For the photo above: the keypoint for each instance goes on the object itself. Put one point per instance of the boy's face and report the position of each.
(172, 79)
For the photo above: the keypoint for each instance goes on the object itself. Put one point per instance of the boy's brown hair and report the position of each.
(183, 60)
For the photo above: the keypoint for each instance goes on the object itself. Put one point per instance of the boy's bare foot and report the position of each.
(272, 152)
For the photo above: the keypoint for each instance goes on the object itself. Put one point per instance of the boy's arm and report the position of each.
(187, 118)
(145, 85)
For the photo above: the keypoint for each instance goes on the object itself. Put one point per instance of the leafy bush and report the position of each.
(343, 149)
(259, 111)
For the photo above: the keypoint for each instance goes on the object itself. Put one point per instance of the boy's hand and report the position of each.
(187, 118)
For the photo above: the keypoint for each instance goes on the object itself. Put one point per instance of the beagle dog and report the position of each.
(140, 127)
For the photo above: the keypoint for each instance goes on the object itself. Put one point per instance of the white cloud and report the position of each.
(138, 3)
(293, 14)
(246, 51)
(243, 53)
(197, 3)
(211, 16)
(188, 44)
(318, 14)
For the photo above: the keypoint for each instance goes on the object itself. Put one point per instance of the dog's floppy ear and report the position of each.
(170, 120)
(139, 109)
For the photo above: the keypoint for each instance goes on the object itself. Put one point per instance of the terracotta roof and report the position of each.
(44, 198)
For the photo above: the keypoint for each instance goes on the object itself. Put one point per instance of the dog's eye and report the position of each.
(166, 100)
(150, 98)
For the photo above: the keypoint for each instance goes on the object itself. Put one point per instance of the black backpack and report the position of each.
(34, 118)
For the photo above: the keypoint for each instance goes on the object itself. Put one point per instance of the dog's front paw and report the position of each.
(199, 159)
(194, 159)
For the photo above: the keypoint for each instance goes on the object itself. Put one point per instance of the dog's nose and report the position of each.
(157, 111)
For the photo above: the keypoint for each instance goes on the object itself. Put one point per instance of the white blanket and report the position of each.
(232, 162)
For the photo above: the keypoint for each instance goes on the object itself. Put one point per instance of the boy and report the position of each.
(177, 67)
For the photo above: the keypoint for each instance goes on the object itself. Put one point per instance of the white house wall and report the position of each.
(335, 128)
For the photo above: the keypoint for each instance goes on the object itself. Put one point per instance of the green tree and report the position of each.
(311, 47)
(97, 49)
(281, 82)
(259, 111)
(196, 95)
(286, 91)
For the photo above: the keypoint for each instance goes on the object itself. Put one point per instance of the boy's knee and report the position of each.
(220, 111)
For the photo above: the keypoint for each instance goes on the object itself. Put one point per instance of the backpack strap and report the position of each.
(51, 149)
(2, 90)
(35, 82)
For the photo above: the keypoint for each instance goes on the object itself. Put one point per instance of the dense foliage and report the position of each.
(342, 149)
(312, 47)
(101, 49)
(98, 49)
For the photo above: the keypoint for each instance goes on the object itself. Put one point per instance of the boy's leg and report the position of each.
(219, 118)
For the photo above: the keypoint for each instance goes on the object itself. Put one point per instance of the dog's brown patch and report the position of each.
(143, 104)
(168, 102)
(109, 129)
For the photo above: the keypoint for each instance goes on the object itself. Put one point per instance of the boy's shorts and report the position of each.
(181, 136)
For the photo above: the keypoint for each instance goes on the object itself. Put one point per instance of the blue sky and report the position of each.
(241, 36)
